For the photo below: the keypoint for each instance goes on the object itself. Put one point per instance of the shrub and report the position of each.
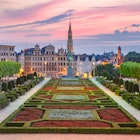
(10, 86)
(126, 85)
(22, 80)
(13, 83)
(118, 92)
(136, 103)
(130, 86)
(114, 79)
(4, 87)
(120, 82)
(135, 88)
(35, 74)
(18, 81)
(117, 80)
(25, 78)
(3, 100)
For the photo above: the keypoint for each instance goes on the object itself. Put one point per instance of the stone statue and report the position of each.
(69, 56)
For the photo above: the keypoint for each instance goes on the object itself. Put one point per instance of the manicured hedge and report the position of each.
(72, 130)
(3, 100)
(136, 103)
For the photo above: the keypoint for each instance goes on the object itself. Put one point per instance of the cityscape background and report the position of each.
(98, 26)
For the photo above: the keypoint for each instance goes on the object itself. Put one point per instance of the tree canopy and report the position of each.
(9, 68)
(130, 69)
(133, 56)
(107, 70)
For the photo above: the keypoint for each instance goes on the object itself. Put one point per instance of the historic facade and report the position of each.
(49, 63)
(7, 53)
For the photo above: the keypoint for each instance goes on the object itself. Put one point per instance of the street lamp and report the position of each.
(45, 67)
(94, 64)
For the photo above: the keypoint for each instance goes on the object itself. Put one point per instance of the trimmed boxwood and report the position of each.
(3, 100)
(10, 85)
(11, 97)
(136, 103)
(4, 87)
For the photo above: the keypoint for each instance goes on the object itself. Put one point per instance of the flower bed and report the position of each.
(70, 107)
(70, 88)
(95, 97)
(29, 114)
(45, 97)
(72, 123)
(114, 115)
(49, 88)
(70, 97)
(71, 114)
(91, 88)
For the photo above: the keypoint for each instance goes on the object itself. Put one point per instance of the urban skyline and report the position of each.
(97, 26)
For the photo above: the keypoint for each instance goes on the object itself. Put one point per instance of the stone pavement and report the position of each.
(67, 137)
(133, 111)
(5, 112)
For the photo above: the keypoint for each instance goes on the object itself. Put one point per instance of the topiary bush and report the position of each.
(35, 74)
(4, 87)
(126, 85)
(10, 86)
(120, 82)
(135, 88)
(136, 103)
(25, 78)
(18, 82)
(130, 86)
(13, 83)
(3, 100)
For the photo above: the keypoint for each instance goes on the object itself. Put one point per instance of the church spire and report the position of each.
(70, 41)
(70, 26)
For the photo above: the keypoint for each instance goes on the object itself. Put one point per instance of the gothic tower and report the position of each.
(70, 41)
(119, 55)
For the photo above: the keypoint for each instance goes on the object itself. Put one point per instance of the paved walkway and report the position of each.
(4, 113)
(67, 137)
(134, 112)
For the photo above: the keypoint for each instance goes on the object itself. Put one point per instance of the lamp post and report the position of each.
(94, 64)
(45, 67)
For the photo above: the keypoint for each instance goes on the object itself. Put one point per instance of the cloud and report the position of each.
(115, 38)
(38, 35)
(51, 20)
(135, 25)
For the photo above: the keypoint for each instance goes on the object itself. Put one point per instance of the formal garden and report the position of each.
(70, 106)
(11, 89)
(126, 84)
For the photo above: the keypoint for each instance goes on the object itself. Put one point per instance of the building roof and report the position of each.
(29, 51)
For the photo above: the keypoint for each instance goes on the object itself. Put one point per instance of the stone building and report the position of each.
(7, 53)
(49, 63)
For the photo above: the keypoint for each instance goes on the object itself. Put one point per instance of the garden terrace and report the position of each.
(77, 106)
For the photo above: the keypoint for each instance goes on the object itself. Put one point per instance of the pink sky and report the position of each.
(25, 23)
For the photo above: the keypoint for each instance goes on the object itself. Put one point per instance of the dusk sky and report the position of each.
(97, 25)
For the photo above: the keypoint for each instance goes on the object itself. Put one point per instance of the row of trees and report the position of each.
(133, 56)
(9, 68)
(130, 69)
